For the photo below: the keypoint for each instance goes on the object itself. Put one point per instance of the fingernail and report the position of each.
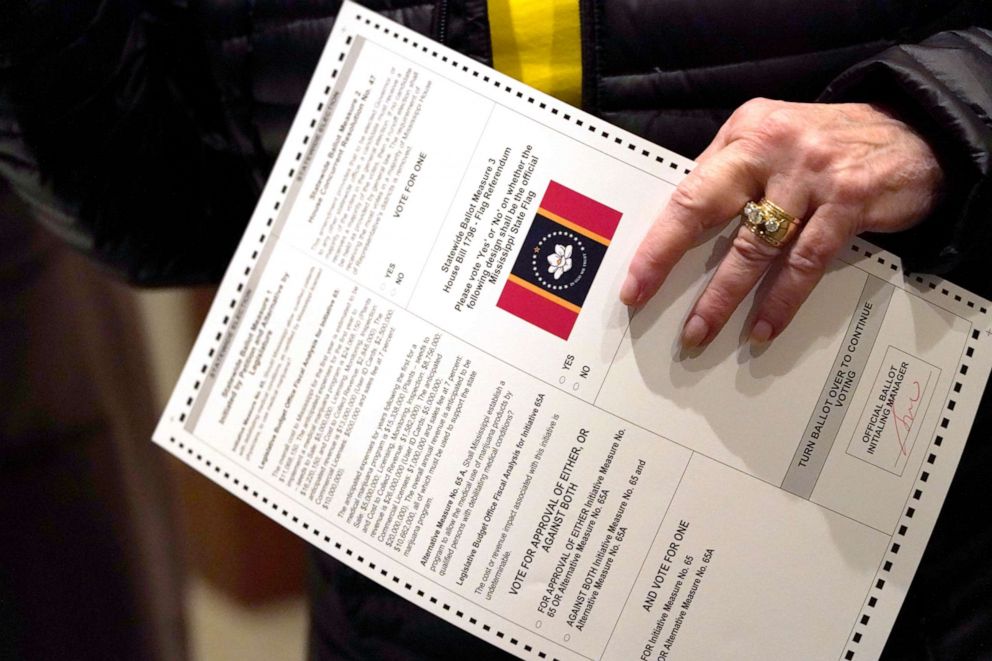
(630, 291)
(761, 332)
(694, 332)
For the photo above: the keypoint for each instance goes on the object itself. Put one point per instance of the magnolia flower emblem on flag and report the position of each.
(558, 260)
(561, 260)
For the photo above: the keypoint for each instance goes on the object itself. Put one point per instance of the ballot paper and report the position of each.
(418, 362)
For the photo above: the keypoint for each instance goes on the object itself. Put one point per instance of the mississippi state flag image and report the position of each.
(559, 259)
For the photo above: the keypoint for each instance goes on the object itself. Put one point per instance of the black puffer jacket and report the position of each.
(133, 125)
(142, 132)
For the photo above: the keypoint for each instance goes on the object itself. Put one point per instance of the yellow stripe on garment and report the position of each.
(538, 42)
(578, 229)
(557, 300)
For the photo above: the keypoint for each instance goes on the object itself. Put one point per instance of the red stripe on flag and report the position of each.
(581, 210)
(537, 310)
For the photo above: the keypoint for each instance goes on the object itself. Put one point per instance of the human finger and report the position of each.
(799, 270)
(740, 270)
(708, 197)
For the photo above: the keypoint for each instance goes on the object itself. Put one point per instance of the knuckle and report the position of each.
(816, 150)
(748, 115)
(778, 306)
(688, 197)
(850, 185)
(651, 257)
(752, 250)
(757, 106)
(779, 125)
(716, 304)
(810, 258)
(755, 146)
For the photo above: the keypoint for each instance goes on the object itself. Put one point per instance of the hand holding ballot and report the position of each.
(832, 170)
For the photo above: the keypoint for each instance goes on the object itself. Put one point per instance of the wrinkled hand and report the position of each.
(842, 169)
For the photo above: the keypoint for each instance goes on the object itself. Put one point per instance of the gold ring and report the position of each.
(770, 222)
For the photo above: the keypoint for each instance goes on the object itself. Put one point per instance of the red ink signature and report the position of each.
(904, 422)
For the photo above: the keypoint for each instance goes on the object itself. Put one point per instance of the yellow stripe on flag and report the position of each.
(578, 229)
(546, 294)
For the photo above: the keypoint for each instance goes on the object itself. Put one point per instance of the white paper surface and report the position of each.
(360, 380)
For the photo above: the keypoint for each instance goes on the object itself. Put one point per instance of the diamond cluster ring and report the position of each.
(770, 222)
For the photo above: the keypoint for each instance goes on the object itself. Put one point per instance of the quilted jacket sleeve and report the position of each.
(142, 131)
(943, 87)
(111, 128)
